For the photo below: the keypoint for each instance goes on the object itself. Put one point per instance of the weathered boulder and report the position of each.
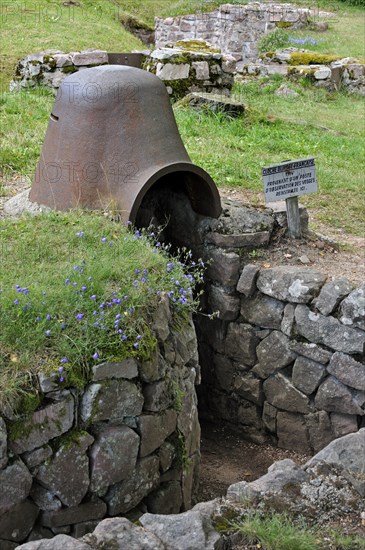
(36, 457)
(122, 534)
(187, 531)
(328, 331)
(67, 473)
(292, 284)
(279, 475)
(347, 370)
(15, 483)
(126, 369)
(247, 281)
(113, 456)
(331, 294)
(347, 452)
(249, 387)
(60, 542)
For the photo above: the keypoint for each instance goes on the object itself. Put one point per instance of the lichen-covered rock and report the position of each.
(166, 499)
(292, 284)
(331, 294)
(44, 425)
(187, 531)
(347, 370)
(15, 483)
(113, 456)
(347, 452)
(281, 393)
(226, 304)
(125, 369)
(319, 429)
(125, 495)
(60, 542)
(247, 281)
(120, 533)
(352, 309)
(67, 473)
(273, 354)
(262, 311)
(36, 457)
(249, 387)
(292, 432)
(158, 396)
(311, 351)
(107, 401)
(328, 331)
(224, 267)
(343, 424)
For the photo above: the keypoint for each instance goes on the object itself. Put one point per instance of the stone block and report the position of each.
(224, 267)
(225, 304)
(125, 369)
(60, 542)
(249, 387)
(328, 331)
(15, 483)
(154, 368)
(247, 281)
(173, 71)
(236, 219)
(161, 319)
(201, 69)
(241, 342)
(92, 510)
(166, 499)
(185, 345)
(343, 424)
(89, 57)
(273, 354)
(348, 452)
(331, 294)
(292, 432)
(188, 421)
(312, 351)
(212, 332)
(3, 444)
(17, 523)
(110, 401)
(262, 311)
(240, 240)
(307, 375)
(333, 396)
(62, 59)
(347, 370)
(322, 73)
(44, 425)
(154, 429)
(281, 393)
(287, 324)
(127, 494)
(158, 396)
(67, 474)
(292, 284)
(113, 456)
(352, 309)
(319, 430)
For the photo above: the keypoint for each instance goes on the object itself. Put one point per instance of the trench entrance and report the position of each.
(227, 456)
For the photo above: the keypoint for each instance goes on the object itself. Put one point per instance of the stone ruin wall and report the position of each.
(234, 29)
(129, 441)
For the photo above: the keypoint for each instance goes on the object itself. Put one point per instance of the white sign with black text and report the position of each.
(289, 179)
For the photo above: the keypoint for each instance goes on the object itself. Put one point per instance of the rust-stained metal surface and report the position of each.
(111, 136)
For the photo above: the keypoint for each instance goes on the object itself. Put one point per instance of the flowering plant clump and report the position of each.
(302, 41)
(71, 314)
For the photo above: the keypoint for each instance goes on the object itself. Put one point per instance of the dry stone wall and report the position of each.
(234, 29)
(284, 358)
(128, 442)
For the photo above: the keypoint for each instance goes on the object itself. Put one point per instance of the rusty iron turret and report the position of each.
(111, 136)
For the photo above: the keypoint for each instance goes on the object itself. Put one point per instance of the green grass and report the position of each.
(69, 283)
(277, 129)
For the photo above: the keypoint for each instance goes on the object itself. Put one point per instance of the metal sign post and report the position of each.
(287, 181)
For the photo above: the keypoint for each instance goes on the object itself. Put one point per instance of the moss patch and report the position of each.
(312, 58)
(196, 46)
